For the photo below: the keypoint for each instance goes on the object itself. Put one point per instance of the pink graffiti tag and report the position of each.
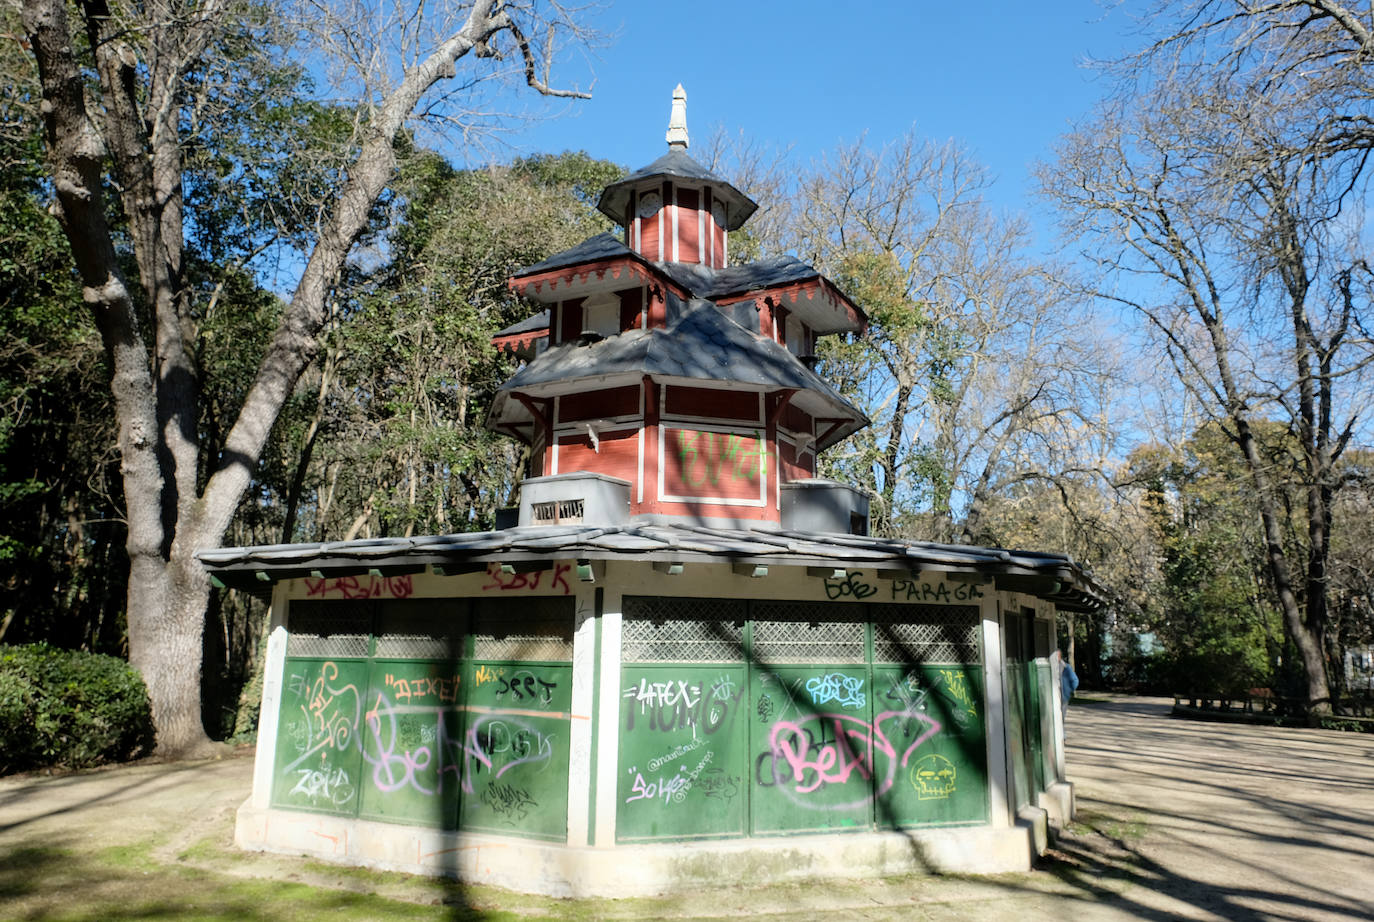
(802, 763)
(397, 764)
(409, 746)
(361, 587)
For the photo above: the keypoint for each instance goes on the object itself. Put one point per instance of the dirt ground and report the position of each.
(1177, 820)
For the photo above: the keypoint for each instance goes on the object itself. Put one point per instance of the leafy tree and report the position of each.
(1213, 608)
(61, 536)
(155, 70)
(400, 447)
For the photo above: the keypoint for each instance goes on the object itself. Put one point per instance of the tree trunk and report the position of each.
(1299, 630)
(887, 525)
(163, 645)
(141, 65)
(166, 616)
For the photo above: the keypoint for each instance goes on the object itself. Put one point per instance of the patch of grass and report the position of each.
(22, 869)
(1121, 829)
(364, 875)
(126, 883)
(135, 856)
(204, 850)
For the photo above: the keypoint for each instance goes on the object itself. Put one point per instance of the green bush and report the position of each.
(71, 709)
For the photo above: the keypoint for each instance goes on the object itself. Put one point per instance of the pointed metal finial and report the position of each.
(677, 124)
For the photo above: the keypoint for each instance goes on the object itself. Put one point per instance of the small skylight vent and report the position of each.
(580, 498)
(558, 512)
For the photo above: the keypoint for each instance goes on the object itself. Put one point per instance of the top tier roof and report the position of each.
(677, 164)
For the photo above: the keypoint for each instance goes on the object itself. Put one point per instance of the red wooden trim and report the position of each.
(724, 404)
(783, 398)
(808, 289)
(599, 404)
(617, 267)
(515, 342)
(835, 425)
(624, 267)
(542, 416)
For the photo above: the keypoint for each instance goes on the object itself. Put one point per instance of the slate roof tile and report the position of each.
(1058, 577)
(677, 164)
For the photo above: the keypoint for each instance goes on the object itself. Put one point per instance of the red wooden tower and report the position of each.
(657, 365)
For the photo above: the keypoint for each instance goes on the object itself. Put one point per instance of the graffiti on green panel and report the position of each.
(318, 761)
(817, 751)
(943, 779)
(412, 743)
(682, 752)
(415, 741)
(516, 770)
(849, 746)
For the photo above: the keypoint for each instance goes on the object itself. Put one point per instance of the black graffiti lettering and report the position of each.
(507, 801)
(771, 778)
(851, 585)
(906, 590)
(937, 593)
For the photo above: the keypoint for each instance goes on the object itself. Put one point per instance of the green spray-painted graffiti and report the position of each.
(716, 458)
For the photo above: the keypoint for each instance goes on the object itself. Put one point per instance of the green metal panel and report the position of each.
(412, 742)
(1016, 734)
(317, 762)
(815, 749)
(931, 722)
(516, 754)
(683, 752)
(1031, 723)
(1044, 681)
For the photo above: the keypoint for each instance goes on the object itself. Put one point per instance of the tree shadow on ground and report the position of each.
(1103, 863)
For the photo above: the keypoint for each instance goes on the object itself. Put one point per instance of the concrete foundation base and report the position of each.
(1058, 804)
(556, 869)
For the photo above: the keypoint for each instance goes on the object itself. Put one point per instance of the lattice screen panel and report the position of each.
(661, 630)
(422, 629)
(926, 634)
(804, 632)
(329, 628)
(523, 629)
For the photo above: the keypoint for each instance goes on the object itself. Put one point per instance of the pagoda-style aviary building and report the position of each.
(684, 661)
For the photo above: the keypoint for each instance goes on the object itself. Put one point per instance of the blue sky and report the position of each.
(1005, 79)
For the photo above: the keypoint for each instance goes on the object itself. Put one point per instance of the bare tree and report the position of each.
(143, 58)
(978, 368)
(1224, 233)
(1317, 54)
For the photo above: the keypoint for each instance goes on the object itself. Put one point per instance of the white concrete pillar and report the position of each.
(580, 737)
(274, 665)
(999, 789)
(1057, 694)
(608, 720)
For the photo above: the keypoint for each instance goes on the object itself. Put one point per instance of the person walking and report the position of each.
(1068, 684)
